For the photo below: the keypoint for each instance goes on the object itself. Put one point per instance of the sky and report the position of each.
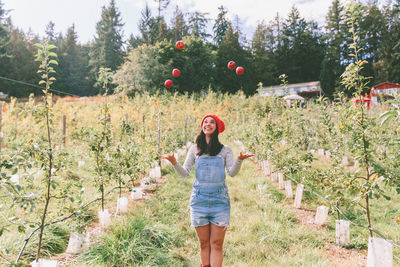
(34, 15)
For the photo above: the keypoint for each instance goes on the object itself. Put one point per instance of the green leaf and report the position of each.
(42, 82)
(39, 46)
(53, 62)
(52, 54)
(52, 79)
(21, 229)
(50, 47)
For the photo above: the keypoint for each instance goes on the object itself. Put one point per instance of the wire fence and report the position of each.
(36, 86)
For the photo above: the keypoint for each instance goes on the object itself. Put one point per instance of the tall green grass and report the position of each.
(263, 231)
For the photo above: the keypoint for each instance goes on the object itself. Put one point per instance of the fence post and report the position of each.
(159, 135)
(64, 129)
(1, 118)
(185, 130)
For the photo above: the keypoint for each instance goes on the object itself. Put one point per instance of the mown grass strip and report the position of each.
(263, 231)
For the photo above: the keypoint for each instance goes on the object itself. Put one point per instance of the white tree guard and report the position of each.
(267, 171)
(321, 216)
(104, 218)
(137, 193)
(328, 154)
(299, 196)
(321, 152)
(15, 179)
(288, 189)
(312, 151)
(380, 253)
(345, 161)
(81, 163)
(281, 182)
(122, 205)
(273, 177)
(165, 163)
(45, 263)
(155, 173)
(342, 233)
(75, 243)
(356, 164)
(87, 241)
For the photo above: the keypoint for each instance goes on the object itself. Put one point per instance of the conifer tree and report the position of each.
(221, 25)
(106, 49)
(335, 53)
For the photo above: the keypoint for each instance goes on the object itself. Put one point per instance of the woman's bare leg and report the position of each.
(203, 233)
(217, 243)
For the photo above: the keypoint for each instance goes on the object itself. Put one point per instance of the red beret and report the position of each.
(220, 123)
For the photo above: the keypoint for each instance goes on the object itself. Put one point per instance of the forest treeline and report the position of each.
(300, 48)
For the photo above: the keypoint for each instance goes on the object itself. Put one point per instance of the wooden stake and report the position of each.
(1, 118)
(64, 129)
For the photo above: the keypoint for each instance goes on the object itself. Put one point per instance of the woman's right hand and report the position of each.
(171, 158)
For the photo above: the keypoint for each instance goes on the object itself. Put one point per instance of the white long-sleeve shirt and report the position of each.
(232, 165)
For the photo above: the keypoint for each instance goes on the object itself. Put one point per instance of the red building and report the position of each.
(385, 90)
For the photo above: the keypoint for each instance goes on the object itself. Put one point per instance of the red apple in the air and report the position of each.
(180, 45)
(176, 73)
(231, 65)
(168, 83)
(239, 70)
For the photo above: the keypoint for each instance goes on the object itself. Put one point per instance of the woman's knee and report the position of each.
(217, 244)
(204, 243)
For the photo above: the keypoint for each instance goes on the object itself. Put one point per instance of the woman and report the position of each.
(210, 203)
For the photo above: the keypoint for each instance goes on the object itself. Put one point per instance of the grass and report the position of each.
(263, 230)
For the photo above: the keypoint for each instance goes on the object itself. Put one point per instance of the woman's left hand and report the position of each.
(244, 156)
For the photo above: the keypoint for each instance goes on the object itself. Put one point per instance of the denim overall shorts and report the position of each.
(210, 200)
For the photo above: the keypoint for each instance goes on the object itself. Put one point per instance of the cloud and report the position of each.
(301, 2)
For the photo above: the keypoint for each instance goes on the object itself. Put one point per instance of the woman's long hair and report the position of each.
(213, 148)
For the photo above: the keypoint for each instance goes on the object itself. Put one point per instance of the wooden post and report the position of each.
(299, 196)
(144, 128)
(64, 129)
(1, 118)
(159, 135)
(185, 130)
(16, 126)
